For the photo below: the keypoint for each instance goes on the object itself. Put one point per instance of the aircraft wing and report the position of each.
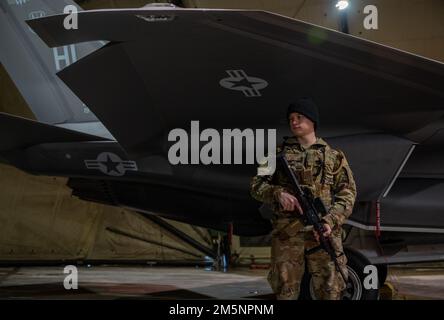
(238, 69)
(20, 133)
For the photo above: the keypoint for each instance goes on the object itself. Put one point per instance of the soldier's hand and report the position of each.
(327, 232)
(289, 202)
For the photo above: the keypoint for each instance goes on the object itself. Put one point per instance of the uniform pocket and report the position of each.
(295, 161)
(326, 196)
(286, 229)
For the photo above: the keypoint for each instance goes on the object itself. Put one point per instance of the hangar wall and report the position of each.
(11, 101)
(40, 220)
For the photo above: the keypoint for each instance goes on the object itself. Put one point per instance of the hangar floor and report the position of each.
(130, 282)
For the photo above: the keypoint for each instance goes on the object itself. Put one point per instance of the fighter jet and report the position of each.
(107, 94)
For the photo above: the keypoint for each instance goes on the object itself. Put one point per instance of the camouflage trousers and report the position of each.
(288, 265)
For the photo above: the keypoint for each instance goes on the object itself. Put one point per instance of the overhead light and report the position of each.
(341, 5)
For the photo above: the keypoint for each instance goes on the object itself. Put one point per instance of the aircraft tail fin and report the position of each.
(33, 66)
(19, 133)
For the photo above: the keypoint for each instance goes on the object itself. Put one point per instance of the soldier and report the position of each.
(326, 173)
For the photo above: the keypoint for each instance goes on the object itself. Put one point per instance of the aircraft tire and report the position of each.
(355, 287)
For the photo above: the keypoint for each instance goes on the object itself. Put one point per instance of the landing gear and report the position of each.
(222, 246)
(355, 289)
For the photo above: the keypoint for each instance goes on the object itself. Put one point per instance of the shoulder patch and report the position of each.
(335, 151)
(339, 159)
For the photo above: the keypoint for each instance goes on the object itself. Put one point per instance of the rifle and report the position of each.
(311, 208)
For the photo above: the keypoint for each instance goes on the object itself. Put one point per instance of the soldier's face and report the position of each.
(300, 125)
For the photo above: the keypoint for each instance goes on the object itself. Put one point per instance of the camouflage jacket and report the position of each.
(322, 169)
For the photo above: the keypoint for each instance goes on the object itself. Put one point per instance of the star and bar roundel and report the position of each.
(111, 164)
(240, 81)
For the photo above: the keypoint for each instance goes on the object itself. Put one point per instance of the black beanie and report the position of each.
(307, 107)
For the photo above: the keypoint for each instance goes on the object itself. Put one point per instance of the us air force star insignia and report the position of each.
(111, 164)
(238, 80)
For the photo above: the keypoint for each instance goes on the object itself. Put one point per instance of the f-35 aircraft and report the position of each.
(107, 94)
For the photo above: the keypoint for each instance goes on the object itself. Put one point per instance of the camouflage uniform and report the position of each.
(326, 173)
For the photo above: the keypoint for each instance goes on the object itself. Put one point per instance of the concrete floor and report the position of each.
(113, 282)
(131, 282)
(417, 282)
